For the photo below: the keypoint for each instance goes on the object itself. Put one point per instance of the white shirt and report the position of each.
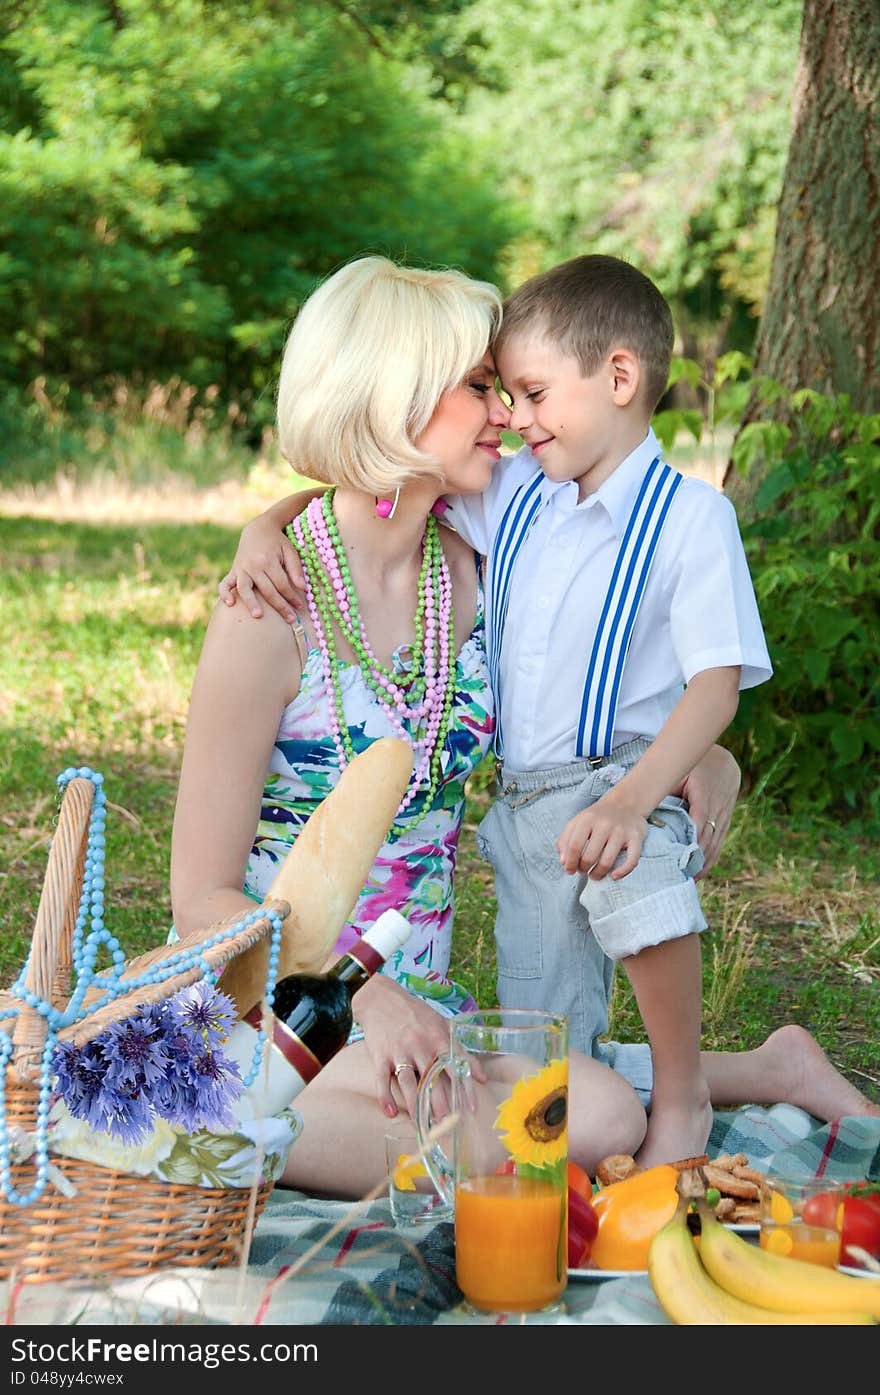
(698, 611)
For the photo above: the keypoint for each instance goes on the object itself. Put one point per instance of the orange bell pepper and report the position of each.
(630, 1214)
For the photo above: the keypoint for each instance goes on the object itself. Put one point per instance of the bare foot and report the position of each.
(795, 1068)
(675, 1132)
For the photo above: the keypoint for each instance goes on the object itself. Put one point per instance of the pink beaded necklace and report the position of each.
(418, 705)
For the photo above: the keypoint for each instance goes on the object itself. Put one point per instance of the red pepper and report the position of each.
(583, 1226)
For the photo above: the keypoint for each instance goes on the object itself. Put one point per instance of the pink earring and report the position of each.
(385, 508)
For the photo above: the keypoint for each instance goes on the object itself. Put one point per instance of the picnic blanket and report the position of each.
(324, 1263)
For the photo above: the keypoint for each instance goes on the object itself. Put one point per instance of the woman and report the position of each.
(387, 394)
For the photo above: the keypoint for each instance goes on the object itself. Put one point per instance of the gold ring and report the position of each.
(713, 824)
(404, 1065)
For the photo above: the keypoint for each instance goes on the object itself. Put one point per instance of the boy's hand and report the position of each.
(593, 840)
(265, 565)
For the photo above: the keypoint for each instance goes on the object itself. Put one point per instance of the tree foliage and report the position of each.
(175, 175)
(651, 131)
(429, 31)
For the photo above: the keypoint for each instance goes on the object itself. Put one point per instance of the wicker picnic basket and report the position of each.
(116, 1223)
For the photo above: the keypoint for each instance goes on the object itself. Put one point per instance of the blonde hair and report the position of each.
(370, 354)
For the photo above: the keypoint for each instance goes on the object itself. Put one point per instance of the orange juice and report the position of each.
(510, 1242)
(814, 1243)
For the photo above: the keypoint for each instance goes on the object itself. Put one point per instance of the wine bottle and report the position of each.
(310, 1021)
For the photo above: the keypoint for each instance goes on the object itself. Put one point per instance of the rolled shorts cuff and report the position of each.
(667, 914)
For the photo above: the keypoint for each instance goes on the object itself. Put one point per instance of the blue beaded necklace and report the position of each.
(86, 946)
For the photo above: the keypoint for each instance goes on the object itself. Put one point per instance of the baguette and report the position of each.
(325, 870)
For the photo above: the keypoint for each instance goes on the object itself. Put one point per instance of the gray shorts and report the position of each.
(557, 935)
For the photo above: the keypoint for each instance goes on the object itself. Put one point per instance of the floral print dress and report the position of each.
(414, 870)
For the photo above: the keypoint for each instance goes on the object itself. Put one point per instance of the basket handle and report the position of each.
(49, 963)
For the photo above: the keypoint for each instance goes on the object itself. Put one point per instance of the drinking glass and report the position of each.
(801, 1216)
(505, 1077)
(413, 1196)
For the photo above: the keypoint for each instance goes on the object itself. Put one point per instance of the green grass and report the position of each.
(103, 627)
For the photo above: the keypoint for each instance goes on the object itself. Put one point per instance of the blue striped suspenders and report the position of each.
(625, 590)
(518, 518)
(636, 553)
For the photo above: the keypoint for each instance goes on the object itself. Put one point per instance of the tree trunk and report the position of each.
(819, 326)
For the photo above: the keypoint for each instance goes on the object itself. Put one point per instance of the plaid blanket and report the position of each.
(330, 1262)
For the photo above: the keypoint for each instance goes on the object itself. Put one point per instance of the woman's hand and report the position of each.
(401, 1030)
(711, 791)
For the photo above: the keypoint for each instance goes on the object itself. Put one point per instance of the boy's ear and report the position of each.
(625, 373)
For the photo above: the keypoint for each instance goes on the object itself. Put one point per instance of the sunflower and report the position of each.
(534, 1117)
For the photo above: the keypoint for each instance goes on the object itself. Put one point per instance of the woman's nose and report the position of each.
(499, 412)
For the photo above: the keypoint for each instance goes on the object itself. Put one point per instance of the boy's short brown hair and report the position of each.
(590, 305)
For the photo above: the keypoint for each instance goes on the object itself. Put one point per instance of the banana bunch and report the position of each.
(727, 1280)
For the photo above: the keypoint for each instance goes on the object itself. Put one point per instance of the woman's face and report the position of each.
(463, 434)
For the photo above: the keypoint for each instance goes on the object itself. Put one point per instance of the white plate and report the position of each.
(847, 1269)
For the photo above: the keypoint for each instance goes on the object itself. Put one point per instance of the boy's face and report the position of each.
(570, 422)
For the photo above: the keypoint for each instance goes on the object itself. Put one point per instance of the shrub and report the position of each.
(811, 537)
(807, 491)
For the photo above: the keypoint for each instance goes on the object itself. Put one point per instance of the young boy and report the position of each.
(621, 625)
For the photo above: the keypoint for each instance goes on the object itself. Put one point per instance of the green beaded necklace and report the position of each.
(418, 704)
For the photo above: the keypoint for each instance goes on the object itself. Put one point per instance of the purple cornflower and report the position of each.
(136, 1051)
(204, 1011)
(82, 1083)
(128, 1117)
(216, 1084)
(198, 1092)
(80, 1075)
